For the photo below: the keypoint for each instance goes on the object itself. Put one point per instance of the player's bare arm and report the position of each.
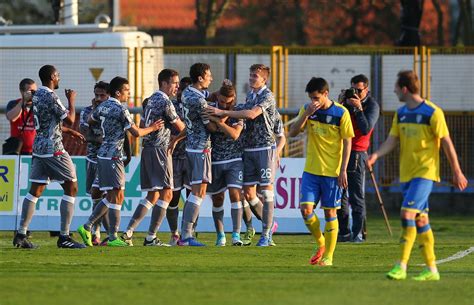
(75, 134)
(238, 114)
(346, 153)
(280, 143)
(140, 132)
(210, 125)
(128, 151)
(295, 128)
(384, 149)
(175, 140)
(71, 97)
(459, 180)
(232, 132)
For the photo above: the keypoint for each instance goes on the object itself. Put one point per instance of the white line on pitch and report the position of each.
(453, 257)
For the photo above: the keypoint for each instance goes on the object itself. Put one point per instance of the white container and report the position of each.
(82, 59)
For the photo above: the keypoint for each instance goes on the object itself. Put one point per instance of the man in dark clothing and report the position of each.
(364, 112)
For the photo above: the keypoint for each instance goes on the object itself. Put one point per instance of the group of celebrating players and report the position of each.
(209, 144)
(167, 165)
(179, 123)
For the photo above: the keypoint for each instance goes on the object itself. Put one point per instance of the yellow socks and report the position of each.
(426, 240)
(407, 239)
(313, 225)
(330, 234)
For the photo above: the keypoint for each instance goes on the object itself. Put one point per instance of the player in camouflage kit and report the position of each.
(180, 168)
(93, 134)
(257, 206)
(114, 120)
(198, 147)
(156, 167)
(259, 145)
(50, 160)
(227, 165)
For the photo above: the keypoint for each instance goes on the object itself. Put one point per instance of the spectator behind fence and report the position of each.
(21, 119)
(364, 112)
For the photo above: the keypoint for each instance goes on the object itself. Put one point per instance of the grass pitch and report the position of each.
(231, 275)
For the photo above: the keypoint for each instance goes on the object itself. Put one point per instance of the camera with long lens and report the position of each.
(350, 93)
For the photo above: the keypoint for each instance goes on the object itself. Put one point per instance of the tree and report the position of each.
(27, 12)
(464, 24)
(300, 24)
(43, 11)
(208, 13)
(352, 22)
(440, 15)
(411, 13)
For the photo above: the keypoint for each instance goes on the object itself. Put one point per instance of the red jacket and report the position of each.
(16, 126)
(363, 123)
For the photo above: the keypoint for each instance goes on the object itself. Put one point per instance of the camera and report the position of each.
(28, 95)
(350, 93)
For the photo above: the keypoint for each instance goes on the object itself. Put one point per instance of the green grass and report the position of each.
(229, 275)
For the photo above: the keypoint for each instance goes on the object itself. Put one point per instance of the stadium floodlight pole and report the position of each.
(379, 197)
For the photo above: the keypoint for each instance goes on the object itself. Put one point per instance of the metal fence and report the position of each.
(445, 73)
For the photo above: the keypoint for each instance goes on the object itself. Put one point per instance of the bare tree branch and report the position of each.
(208, 14)
(468, 24)
(439, 13)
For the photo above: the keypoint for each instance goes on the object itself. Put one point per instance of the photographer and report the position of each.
(364, 112)
(20, 115)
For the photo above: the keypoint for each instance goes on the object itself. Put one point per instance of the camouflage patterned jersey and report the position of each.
(194, 103)
(159, 107)
(223, 147)
(48, 113)
(114, 119)
(259, 132)
(92, 133)
(278, 129)
(180, 149)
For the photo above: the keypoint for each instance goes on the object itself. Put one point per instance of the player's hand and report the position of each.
(371, 160)
(223, 119)
(77, 136)
(459, 180)
(342, 179)
(214, 111)
(312, 108)
(81, 137)
(157, 125)
(70, 94)
(94, 103)
(211, 118)
(216, 119)
(205, 116)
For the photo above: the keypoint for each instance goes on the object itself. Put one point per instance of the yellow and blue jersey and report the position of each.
(419, 130)
(326, 128)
